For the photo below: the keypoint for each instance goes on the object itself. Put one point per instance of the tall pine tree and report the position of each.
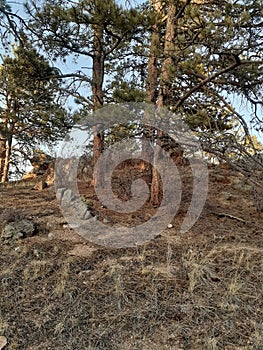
(93, 29)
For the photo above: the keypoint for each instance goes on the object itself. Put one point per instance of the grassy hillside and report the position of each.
(197, 290)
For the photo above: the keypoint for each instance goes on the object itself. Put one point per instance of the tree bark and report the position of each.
(151, 89)
(164, 89)
(97, 94)
(2, 155)
(151, 96)
(3, 148)
(152, 76)
(7, 158)
(169, 46)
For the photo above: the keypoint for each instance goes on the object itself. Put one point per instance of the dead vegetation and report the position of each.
(198, 290)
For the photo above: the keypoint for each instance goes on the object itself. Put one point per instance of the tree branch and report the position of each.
(69, 75)
(206, 81)
(231, 109)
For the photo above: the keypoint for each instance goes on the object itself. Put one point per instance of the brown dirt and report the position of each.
(197, 290)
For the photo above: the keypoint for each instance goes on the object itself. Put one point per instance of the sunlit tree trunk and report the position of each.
(155, 51)
(163, 94)
(2, 155)
(7, 158)
(3, 148)
(151, 96)
(151, 89)
(97, 93)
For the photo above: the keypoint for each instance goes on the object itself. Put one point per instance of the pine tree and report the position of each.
(95, 29)
(30, 111)
(209, 49)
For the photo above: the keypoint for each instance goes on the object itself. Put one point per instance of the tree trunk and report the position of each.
(2, 155)
(3, 147)
(152, 76)
(151, 91)
(7, 159)
(163, 95)
(151, 96)
(97, 94)
(169, 46)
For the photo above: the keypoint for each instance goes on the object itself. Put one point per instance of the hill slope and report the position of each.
(197, 290)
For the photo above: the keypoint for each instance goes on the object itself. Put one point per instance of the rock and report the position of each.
(74, 225)
(85, 214)
(51, 235)
(81, 209)
(88, 215)
(49, 225)
(68, 196)
(3, 342)
(19, 229)
(40, 162)
(60, 193)
(29, 176)
(169, 226)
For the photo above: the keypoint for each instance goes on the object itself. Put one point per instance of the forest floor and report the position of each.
(197, 290)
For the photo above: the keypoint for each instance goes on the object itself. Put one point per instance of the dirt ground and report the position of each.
(196, 290)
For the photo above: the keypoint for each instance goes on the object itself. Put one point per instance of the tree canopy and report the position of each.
(199, 58)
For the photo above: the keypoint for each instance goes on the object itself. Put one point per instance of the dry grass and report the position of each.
(200, 290)
(159, 296)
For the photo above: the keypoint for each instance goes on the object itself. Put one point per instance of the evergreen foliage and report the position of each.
(31, 112)
(194, 56)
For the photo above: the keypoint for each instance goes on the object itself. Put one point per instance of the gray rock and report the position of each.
(51, 235)
(88, 215)
(59, 193)
(74, 225)
(68, 196)
(81, 209)
(19, 229)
